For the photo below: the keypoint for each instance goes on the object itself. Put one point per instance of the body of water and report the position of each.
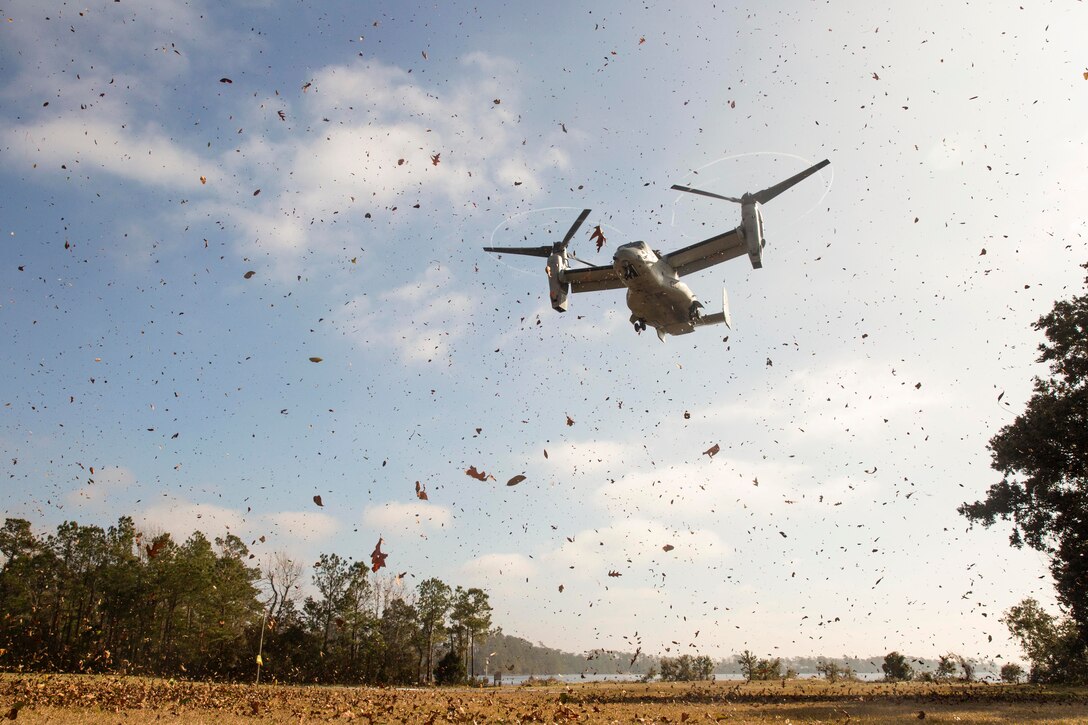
(592, 677)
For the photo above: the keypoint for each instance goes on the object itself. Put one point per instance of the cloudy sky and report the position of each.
(196, 199)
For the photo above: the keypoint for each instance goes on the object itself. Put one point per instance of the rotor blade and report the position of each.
(771, 192)
(577, 223)
(712, 195)
(527, 251)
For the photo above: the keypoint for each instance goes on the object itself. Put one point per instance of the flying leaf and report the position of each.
(614, 573)
(478, 475)
(377, 558)
(597, 235)
(317, 500)
(561, 588)
(203, 179)
(316, 359)
(515, 480)
(156, 546)
(249, 274)
(712, 451)
(421, 492)
(225, 80)
(570, 421)
(667, 548)
(434, 159)
(282, 115)
(306, 85)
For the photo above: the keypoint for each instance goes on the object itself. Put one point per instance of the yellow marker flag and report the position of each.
(259, 660)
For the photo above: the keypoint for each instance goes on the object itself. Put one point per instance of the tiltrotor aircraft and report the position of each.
(656, 296)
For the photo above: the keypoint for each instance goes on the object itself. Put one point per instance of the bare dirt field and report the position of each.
(109, 699)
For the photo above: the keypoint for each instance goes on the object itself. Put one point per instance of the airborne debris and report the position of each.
(597, 235)
(712, 451)
(478, 475)
(377, 558)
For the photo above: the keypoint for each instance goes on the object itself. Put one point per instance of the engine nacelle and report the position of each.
(557, 264)
(752, 227)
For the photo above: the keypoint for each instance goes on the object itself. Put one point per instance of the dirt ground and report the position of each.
(109, 699)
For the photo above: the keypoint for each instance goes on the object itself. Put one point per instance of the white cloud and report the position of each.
(181, 518)
(302, 525)
(490, 567)
(419, 320)
(100, 486)
(86, 146)
(415, 517)
(635, 541)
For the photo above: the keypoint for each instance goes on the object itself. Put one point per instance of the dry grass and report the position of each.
(101, 699)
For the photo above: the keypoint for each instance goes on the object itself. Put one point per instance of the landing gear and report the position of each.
(640, 325)
(693, 311)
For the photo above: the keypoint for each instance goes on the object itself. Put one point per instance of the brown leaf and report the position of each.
(478, 475)
(306, 85)
(598, 235)
(614, 573)
(421, 492)
(377, 558)
(712, 451)
(317, 500)
(282, 115)
(515, 480)
(155, 547)
(570, 421)
(225, 80)
(424, 55)
(667, 548)
(316, 359)
(561, 588)
(435, 159)
(203, 179)
(249, 274)
(258, 191)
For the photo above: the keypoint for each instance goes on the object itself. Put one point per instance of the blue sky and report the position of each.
(859, 386)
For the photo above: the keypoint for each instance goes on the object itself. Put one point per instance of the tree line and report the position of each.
(88, 599)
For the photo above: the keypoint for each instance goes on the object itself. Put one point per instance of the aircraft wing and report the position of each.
(707, 252)
(592, 279)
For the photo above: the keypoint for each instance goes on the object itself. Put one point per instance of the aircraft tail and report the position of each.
(718, 317)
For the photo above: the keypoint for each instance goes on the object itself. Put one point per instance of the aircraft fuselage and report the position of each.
(655, 294)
